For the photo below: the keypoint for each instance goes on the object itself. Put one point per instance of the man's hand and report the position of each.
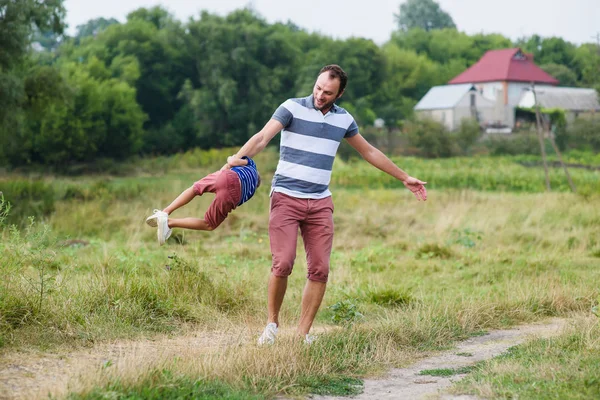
(235, 161)
(417, 187)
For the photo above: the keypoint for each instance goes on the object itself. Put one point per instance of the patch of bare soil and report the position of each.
(406, 383)
(34, 375)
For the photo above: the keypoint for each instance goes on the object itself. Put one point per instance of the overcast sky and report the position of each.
(577, 21)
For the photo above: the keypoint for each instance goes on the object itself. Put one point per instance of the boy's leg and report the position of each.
(190, 223)
(185, 197)
(206, 184)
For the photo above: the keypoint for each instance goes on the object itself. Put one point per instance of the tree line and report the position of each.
(156, 85)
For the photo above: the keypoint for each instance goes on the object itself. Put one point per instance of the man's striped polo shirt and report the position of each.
(309, 142)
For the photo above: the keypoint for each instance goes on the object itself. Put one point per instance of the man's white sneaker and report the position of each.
(152, 220)
(268, 335)
(309, 339)
(163, 231)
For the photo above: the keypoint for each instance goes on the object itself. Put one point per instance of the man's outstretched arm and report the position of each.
(379, 160)
(256, 143)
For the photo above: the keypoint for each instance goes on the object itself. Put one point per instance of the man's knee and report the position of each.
(282, 267)
(318, 273)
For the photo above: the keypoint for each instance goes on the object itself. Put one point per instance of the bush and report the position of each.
(467, 134)
(584, 134)
(518, 143)
(430, 137)
(27, 198)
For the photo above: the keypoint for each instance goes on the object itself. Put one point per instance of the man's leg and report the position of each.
(311, 301)
(276, 293)
(283, 236)
(317, 234)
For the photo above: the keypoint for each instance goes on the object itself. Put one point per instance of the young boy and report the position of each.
(233, 187)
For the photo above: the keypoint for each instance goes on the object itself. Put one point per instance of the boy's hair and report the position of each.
(335, 71)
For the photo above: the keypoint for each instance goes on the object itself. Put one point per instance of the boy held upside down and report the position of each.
(232, 188)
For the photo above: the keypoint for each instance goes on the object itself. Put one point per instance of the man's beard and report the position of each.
(325, 106)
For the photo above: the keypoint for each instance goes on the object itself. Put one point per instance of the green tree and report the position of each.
(552, 50)
(565, 76)
(155, 42)
(424, 14)
(19, 20)
(93, 27)
(245, 69)
(587, 61)
(408, 76)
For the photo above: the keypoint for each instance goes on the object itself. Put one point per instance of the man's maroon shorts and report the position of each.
(314, 217)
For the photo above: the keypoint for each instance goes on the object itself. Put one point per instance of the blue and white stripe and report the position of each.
(309, 143)
(249, 179)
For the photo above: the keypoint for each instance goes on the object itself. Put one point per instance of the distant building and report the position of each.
(500, 80)
(575, 101)
(450, 104)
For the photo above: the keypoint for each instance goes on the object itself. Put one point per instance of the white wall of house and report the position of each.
(489, 90)
(451, 118)
(494, 91)
(444, 116)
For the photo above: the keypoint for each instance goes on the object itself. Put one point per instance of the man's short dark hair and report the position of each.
(335, 71)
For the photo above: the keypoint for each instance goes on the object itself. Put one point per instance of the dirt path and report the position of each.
(406, 383)
(34, 375)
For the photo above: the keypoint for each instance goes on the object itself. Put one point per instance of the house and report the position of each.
(450, 104)
(500, 78)
(575, 101)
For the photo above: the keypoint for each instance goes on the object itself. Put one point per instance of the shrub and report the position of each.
(467, 134)
(518, 143)
(389, 297)
(430, 137)
(27, 198)
(584, 134)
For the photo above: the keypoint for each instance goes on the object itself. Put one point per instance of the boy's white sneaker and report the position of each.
(163, 232)
(152, 220)
(268, 335)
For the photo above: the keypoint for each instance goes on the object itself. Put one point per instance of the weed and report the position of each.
(389, 297)
(447, 371)
(331, 385)
(345, 313)
(465, 237)
(428, 251)
(465, 354)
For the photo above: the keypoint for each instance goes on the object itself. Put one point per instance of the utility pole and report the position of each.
(538, 125)
(541, 128)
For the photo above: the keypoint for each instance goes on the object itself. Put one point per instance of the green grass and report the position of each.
(407, 276)
(163, 385)
(558, 368)
(445, 372)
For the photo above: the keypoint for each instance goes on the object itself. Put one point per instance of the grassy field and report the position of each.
(489, 249)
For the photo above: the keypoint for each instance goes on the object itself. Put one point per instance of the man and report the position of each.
(312, 128)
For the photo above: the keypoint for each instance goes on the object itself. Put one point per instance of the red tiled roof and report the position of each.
(502, 65)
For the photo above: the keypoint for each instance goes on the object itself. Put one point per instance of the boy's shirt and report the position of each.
(249, 179)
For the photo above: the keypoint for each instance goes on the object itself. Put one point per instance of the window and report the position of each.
(520, 56)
